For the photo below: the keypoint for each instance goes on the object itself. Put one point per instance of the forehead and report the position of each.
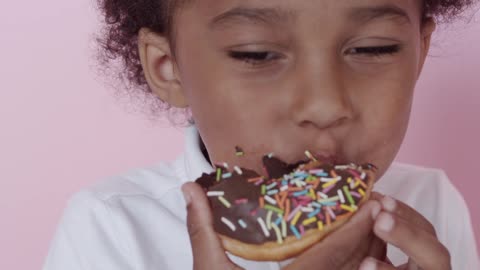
(283, 10)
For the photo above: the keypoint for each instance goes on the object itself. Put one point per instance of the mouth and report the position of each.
(321, 156)
(328, 158)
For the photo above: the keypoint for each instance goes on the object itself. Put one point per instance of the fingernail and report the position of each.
(368, 264)
(385, 222)
(376, 210)
(389, 204)
(186, 195)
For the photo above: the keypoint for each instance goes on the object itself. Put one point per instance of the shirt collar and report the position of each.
(195, 161)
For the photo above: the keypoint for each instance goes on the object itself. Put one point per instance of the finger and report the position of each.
(423, 248)
(206, 246)
(373, 264)
(343, 246)
(407, 213)
(378, 249)
(376, 196)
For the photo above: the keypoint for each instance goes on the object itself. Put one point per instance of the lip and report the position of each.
(330, 158)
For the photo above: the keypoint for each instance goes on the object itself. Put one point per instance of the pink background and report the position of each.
(60, 130)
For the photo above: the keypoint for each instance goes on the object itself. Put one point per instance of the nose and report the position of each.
(321, 99)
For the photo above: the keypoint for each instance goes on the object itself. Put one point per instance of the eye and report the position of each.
(254, 58)
(375, 51)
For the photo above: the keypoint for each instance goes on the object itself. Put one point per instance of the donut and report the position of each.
(279, 215)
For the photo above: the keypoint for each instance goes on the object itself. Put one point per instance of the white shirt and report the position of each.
(137, 220)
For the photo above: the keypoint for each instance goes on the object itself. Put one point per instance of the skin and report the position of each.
(313, 88)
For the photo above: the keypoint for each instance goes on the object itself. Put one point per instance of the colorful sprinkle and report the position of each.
(215, 193)
(348, 208)
(272, 185)
(314, 213)
(270, 200)
(228, 223)
(259, 182)
(330, 212)
(295, 219)
(328, 184)
(284, 228)
(272, 192)
(240, 201)
(287, 210)
(242, 223)
(261, 202)
(224, 202)
(264, 227)
(274, 209)
(340, 195)
(362, 183)
(309, 221)
(255, 179)
(355, 194)
(239, 151)
(279, 220)
(320, 225)
(310, 156)
(327, 189)
(295, 232)
(293, 213)
(238, 170)
(349, 197)
(322, 195)
(331, 199)
(269, 220)
(302, 230)
(299, 193)
(277, 232)
(307, 209)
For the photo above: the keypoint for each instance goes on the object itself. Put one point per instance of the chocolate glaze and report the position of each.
(237, 188)
(277, 168)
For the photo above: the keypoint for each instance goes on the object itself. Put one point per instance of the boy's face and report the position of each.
(285, 76)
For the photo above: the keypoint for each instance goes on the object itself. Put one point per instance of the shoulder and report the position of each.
(415, 183)
(152, 181)
(428, 190)
(133, 194)
(134, 188)
(104, 222)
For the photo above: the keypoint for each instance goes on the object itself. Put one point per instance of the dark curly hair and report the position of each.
(118, 54)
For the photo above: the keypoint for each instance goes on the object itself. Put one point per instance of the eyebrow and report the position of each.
(272, 16)
(266, 16)
(367, 14)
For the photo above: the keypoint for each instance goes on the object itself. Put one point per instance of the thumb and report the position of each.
(207, 249)
(343, 247)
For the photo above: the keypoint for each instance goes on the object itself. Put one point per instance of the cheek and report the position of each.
(383, 126)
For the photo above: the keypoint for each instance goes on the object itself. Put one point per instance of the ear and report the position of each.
(427, 29)
(159, 68)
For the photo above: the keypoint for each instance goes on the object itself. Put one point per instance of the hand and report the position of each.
(208, 253)
(405, 228)
(343, 249)
(347, 247)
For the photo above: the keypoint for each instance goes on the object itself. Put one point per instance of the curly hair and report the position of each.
(118, 54)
